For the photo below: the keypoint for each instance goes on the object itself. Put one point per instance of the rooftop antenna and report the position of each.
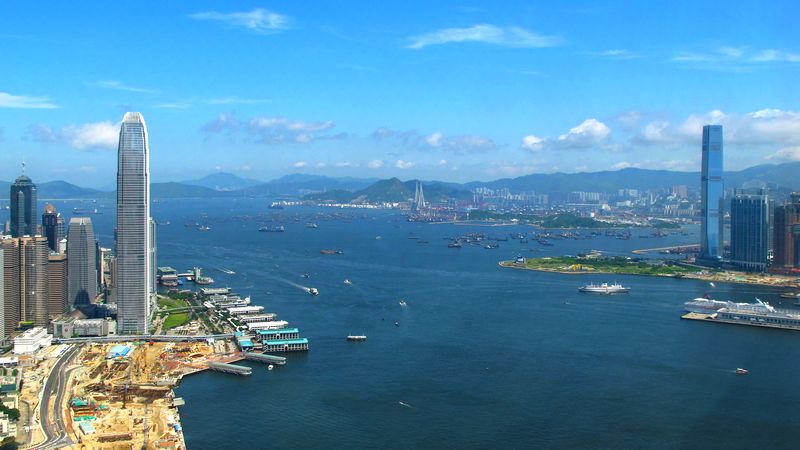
(23, 166)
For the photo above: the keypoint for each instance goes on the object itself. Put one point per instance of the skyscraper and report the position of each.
(57, 285)
(152, 255)
(11, 288)
(712, 209)
(52, 227)
(133, 236)
(786, 234)
(81, 257)
(750, 229)
(23, 206)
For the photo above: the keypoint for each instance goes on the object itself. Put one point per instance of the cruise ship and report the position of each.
(604, 288)
(757, 314)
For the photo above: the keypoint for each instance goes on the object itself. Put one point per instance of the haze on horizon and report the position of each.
(450, 91)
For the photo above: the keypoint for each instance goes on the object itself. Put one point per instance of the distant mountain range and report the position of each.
(777, 177)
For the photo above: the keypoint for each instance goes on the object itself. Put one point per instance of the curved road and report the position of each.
(55, 387)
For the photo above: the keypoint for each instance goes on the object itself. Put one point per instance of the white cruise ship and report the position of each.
(709, 306)
(604, 288)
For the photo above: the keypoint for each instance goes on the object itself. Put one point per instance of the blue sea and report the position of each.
(481, 357)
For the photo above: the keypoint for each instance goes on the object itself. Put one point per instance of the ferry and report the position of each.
(604, 288)
(356, 338)
(278, 229)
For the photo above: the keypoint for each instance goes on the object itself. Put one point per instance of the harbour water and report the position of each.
(483, 357)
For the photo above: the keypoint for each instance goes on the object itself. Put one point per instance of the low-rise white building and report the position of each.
(273, 325)
(31, 341)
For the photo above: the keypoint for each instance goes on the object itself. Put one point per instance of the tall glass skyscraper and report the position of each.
(81, 262)
(23, 207)
(133, 236)
(750, 229)
(711, 244)
(52, 227)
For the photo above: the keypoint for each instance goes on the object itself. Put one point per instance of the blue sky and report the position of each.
(439, 90)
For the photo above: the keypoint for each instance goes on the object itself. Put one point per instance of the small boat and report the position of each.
(311, 225)
(279, 229)
(305, 275)
(740, 371)
(790, 295)
(270, 367)
(397, 324)
(204, 228)
(357, 338)
(454, 245)
(377, 238)
(346, 281)
(228, 271)
(403, 303)
(313, 291)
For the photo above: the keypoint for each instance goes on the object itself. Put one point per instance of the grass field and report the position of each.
(174, 319)
(603, 265)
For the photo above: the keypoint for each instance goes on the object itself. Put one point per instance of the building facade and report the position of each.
(12, 313)
(750, 230)
(23, 207)
(57, 285)
(786, 232)
(712, 194)
(81, 254)
(133, 236)
(52, 227)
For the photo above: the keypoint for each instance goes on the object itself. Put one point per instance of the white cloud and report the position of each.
(413, 140)
(734, 58)
(434, 140)
(259, 20)
(629, 119)
(375, 164)
(300, 164)
(89, 136)
(272, 130)
(345, 164)
(321, 165)
(173, 105)
(624, 165)
(400, 164)
(618, 53)
(100, 135)
(24, 102)
(234, 100)
(588, 134)
(120, 86)
(490, 34)
(532, 143)
(786, 154)
(442, 162)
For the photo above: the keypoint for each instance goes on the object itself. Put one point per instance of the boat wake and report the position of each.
(406, 405)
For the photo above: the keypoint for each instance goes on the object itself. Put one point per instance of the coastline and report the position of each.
(724, 277)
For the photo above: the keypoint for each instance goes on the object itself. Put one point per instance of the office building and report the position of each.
(152, 255)
(786, 231)
(711, 186)
(52, 227)
(23, 206)
(3, 334)
(133, 236)
(11, 288)
(81, 256)
(750, 230)
(57, 285)
(24, 282)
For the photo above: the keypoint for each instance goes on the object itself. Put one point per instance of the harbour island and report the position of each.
(618, 265)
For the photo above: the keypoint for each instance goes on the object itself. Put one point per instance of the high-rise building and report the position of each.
(152, 255)
(81, 257)
(133, 236)
(23, 206)
(25, 281)
(3, 334)
(750, 229)
(712, 194)
(786, 233)
(57, 285)
(52, 227)
(12, 313)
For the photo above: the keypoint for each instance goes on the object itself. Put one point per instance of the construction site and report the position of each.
(121, 395)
